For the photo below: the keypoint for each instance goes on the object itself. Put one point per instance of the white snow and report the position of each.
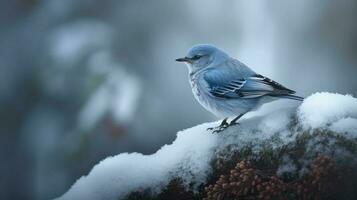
(113, 178)
(322, 109)
(189, 156)
(347, 126)
(287, 166)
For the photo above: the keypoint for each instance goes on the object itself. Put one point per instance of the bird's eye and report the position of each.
(196, 57)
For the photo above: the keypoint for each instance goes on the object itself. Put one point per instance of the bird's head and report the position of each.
(203, 55)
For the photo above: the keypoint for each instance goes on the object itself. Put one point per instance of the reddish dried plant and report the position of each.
(319, 184)
(245, 182)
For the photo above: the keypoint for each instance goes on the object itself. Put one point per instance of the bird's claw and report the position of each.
(222, 127)
(224, 124)
(217, 129)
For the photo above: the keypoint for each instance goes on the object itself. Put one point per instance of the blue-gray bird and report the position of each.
(226, 87)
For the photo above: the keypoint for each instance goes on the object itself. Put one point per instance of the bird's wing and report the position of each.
(227, 82)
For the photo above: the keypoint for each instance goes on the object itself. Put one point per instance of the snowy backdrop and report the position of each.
(84, 80)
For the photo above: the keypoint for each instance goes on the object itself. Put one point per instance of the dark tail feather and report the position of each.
(293, 97)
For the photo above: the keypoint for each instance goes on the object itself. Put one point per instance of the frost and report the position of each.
(347, 126)
(189, 157)
(287, 166)
(322, 109)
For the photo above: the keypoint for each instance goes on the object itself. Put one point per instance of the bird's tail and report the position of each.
(293, 97)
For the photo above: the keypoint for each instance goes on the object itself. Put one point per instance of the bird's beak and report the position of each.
(185, 59)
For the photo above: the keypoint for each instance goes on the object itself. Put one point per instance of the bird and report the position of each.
(226, 87)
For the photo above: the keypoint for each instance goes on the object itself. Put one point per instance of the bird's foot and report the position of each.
(218, 129)
(224, 124)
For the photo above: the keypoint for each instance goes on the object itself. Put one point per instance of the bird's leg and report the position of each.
(224, 124)
(234, 121)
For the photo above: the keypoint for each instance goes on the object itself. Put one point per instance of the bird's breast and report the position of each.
(195, 86)
(201, 93)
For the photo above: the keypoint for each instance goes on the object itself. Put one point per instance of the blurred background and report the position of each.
(83, 80)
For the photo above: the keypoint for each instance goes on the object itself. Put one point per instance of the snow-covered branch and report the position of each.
(323, 122)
